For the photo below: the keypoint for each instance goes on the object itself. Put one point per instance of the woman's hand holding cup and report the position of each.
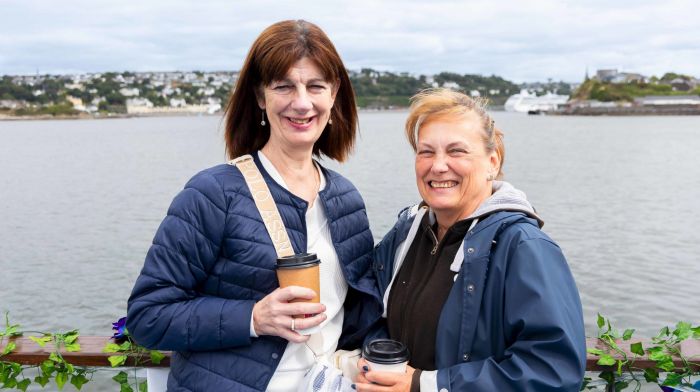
(274, 314)
(381, 381)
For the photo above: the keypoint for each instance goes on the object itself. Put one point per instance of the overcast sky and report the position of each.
(519, 40)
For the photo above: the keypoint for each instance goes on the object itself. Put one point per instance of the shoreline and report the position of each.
(42, 117)
(83, 116)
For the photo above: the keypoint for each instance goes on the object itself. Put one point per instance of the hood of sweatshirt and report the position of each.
(505, 197)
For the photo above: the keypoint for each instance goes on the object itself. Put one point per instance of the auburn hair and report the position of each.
(273, 53)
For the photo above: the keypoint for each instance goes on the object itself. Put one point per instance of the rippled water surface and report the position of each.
(81, 200)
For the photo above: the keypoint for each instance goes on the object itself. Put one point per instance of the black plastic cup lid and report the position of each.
(301, 260)
(385, 352)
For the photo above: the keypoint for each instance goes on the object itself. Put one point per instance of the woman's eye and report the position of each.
(458, 151)
(282, 87)
(317, 87)
(425, 152)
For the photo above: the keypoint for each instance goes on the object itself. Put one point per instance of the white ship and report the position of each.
(526, 102)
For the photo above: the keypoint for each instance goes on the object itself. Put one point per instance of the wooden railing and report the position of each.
(28, 352)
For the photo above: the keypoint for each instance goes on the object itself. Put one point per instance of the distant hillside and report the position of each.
(146, 92)
(376, 89)
(669, 84)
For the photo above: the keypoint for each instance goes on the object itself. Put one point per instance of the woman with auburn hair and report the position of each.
(208, 289)
(482, 298)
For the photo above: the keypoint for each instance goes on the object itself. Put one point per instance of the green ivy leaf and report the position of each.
(651, 375)
(74, 347)
(125, 388)
(121, 378)
(619, 367)
(143, 386)
(117, 360)
(16, 368)
(620, 385)
(666, 365)
(658, 355)
(111, 348)
(627, 335)
(71, 337)
(12, 330)
(606, 360)
(636, 348)
(663, 332)
(696, 332)
(9, 348)
(41, 341)
(41, 380)
(683, 330)
(156, 357)
(673, 379)
(601, 321)
(55, 358)
(23, 385)
(595, 351)
(654, 349)
(47, 368)
(61, 379)
(78, 381)
(10, 383)
(126, 346)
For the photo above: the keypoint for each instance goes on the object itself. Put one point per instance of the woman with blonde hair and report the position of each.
(484, 300)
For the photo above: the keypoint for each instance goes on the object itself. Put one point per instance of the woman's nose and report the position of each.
(439, 164)
(302, 101)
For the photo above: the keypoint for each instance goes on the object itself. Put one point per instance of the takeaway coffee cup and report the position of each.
(301, 270)
(386, 355)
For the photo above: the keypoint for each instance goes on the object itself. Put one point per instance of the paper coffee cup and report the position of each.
(301, 270)
(386, 355)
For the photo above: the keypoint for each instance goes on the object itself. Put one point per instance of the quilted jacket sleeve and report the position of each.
(543, 321)
(166, 310)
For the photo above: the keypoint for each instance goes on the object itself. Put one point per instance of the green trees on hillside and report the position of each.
(609, 92)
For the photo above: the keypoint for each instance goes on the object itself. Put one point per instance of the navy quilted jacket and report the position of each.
(212, 259)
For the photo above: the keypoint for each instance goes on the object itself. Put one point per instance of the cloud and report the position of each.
(520, 41)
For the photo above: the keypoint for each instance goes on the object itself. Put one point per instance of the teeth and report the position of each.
(443, 184)
(299, 120)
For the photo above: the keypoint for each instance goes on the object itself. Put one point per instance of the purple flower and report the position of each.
(120, 327)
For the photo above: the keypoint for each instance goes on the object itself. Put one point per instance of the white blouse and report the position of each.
(297, 357)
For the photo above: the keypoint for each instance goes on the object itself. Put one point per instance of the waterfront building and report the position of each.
(663, 100)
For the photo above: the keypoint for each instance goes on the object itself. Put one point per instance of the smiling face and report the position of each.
(298, 107)
(453, 166)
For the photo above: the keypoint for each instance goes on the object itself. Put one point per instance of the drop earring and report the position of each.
(263, 119)
(330, 121)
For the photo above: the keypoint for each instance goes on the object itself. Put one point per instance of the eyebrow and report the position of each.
(451, 145)
(287, 80)
(458, 144)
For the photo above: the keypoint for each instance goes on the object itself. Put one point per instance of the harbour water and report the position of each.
(81, 200)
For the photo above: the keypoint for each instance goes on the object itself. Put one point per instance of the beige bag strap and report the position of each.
(273, 222)
(265, 203)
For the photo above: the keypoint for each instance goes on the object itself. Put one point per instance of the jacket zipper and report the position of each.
(435, 242)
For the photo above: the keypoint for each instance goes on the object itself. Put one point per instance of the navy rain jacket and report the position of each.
(513, 319)
(212, 259)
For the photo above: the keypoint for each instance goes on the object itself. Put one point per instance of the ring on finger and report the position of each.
(293, 326)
